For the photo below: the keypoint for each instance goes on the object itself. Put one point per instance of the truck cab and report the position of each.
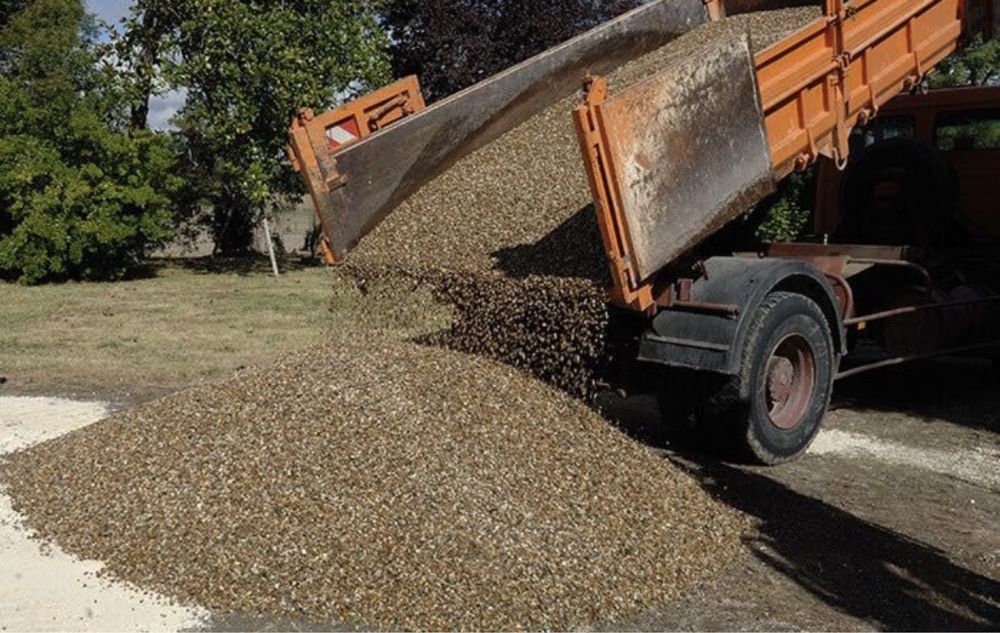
(963, 124)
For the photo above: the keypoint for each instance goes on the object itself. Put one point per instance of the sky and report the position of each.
(110, 10)
(161, 109)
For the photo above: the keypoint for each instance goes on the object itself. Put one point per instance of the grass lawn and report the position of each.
(186, 323)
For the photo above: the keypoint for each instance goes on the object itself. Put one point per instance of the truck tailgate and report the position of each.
(677, 156)
(358, 185)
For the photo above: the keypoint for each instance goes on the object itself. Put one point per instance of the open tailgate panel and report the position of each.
(674, 158)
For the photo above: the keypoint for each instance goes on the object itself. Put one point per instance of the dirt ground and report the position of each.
(892, 521)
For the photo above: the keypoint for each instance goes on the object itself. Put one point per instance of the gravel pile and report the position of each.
(397, 485)
(508, 235)
(379, 483)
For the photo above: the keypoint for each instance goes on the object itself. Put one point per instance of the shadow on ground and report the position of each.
(860, 568)
(248, 265)
(857, 567)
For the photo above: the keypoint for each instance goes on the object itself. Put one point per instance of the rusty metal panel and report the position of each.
(375, 175)
(315, 137)
(689, 152)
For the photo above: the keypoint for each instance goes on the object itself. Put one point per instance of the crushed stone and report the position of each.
(397, 485)
(379, 483)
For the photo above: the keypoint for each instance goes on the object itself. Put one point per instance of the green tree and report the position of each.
(246, 66)
(978, 64)
(78, 197)
(785, 215)
(452, 44)
(8, 8)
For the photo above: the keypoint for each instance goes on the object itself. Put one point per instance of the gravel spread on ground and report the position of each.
(381, 483)
(508, 235)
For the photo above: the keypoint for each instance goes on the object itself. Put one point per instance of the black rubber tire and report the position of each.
(739, 413)
(927, 209)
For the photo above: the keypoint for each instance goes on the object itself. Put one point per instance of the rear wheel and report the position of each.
(773, 409)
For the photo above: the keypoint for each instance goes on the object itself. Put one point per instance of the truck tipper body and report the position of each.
(749, 344)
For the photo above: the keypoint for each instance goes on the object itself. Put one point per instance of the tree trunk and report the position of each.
(232, 227)
(145, 68)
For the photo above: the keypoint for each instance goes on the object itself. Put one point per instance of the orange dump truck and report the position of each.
(751, 342)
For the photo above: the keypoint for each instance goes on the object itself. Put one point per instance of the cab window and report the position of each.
(889, 127)
(968, 130)
(884, 128)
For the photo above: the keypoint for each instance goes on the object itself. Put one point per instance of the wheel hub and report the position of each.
(790, 380)
(780, 376)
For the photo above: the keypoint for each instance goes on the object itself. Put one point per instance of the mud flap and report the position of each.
(677, 157)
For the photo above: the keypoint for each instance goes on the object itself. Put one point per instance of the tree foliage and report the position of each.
(452, 44)
(785, 216)
(246, 66)
(978, 64)
(78, 197)
(8, 8)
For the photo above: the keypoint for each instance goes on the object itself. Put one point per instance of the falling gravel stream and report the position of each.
(508, 238)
